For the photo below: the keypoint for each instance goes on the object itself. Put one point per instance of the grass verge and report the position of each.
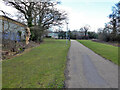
(41, 67)
(107, 51)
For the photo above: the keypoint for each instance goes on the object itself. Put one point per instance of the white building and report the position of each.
(53, 35)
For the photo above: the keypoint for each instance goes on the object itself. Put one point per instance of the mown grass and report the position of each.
(107, 51)
(41, 67)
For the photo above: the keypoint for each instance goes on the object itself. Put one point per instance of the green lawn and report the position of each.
(41, 67)
(107, 51)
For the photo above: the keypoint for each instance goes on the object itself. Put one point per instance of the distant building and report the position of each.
(11, 29)
(79, 34)
(53, 35)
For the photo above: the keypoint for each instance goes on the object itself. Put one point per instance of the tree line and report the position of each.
(82, 33)
(39, 16)
(42, 15)
(111, 31)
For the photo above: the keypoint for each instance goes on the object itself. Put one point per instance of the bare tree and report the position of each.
(115, 22)
(46, 16)
(40, 16)
(86, 28)
(23, 6)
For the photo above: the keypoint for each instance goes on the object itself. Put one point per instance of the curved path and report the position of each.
(89, 70)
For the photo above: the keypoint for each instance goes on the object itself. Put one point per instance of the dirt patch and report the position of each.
(66, 72)
(11, 50)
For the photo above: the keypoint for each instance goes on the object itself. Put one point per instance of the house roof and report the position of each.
(2, 17)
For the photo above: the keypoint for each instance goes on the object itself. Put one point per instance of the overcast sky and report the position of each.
(7, 9)
(92, 12)
(81, 12)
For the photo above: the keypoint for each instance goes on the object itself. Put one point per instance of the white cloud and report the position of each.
(7, 9)
(75, 18)
(79, 19)
(87, 1)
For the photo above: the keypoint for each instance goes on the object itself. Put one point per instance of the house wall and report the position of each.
(0, 25)
(11, 29)
(0, 31)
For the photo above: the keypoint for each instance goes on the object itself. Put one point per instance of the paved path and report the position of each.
(89, 70)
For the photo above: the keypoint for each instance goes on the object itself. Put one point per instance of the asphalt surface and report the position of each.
(89, 70)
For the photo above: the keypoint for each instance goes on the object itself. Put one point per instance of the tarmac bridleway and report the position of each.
(89, 70)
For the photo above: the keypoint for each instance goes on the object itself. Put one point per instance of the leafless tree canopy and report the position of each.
(111, 31)
(40, 15)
